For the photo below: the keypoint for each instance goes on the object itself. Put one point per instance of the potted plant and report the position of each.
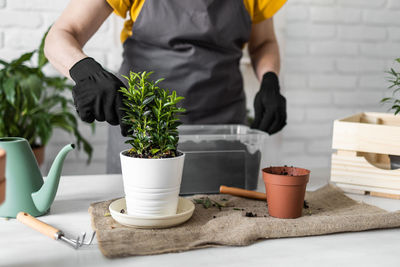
(152, 168)
(394, 101)
(32, 104)
(285, 188)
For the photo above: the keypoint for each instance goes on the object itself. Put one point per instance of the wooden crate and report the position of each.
(361, 163)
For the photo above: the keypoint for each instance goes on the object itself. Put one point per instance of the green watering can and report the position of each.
(25, 189)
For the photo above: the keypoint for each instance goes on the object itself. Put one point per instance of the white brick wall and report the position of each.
(334, 54)
(340, 52)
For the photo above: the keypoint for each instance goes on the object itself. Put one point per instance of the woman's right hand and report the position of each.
(96, 93)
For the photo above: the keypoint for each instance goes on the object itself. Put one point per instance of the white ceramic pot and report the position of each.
(151, 185)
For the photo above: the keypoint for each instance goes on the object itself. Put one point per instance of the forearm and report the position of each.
(263, 48)
(76, 25)
(265, 58)
(63, 50)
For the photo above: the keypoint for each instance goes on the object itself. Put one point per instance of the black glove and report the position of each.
(269, 106)
(96, 93)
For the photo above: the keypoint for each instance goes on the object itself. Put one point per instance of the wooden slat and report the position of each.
(384, 118)
(353, 118)
(366, 189)
(346, 153)
(382, 138)
(358, 171)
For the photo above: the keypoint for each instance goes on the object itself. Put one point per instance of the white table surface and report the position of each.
(22, 246)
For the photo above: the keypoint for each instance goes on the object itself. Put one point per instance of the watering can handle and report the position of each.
(39, 226)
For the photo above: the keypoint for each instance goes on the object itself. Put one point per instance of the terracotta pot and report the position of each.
(2, 175)
(285, 188)
(39, 154)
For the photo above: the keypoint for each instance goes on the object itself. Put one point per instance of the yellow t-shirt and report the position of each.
(259, 10)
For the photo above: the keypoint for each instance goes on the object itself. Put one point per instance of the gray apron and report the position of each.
(196, 46)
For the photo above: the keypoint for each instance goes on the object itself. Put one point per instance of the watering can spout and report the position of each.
(44, 197)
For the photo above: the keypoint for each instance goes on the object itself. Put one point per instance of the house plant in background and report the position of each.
(394, 101)
(152, 168)
(285, 188)
(32, 104)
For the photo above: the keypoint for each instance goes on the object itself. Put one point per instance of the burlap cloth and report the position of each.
(330, 211)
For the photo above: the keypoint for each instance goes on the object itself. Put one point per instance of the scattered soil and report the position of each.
(287, 173)
(250, 214)
(207, 202)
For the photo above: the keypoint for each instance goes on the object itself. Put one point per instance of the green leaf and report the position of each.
(178, 99)
(168, 104)
(9, 90)
(154, 151)
(207, 203)
(146, 113)
(32, 84)
(180, 110)
(169, 147)
(197, 201)
(148, 100)
(158, 81)
(156, 111)
(218, 205)
(4, 63)
(22, 59)
(42, 60)
(172, 138)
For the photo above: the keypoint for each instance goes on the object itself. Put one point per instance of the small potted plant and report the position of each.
(32, 104)
(285, 188)
(152, 168)
(394, 101)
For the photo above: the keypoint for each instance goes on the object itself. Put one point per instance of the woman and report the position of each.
(195, 45)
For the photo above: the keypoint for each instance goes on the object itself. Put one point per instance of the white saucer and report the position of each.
(184, 213)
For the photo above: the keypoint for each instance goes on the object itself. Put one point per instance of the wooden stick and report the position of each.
(234, 191)
(39, 226)
(380, 194)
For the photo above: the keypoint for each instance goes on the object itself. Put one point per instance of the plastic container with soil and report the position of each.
(285, 188)
(217, 155)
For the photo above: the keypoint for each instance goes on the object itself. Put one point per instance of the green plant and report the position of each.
(152, 115)
(32, 103)
(394, 81)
